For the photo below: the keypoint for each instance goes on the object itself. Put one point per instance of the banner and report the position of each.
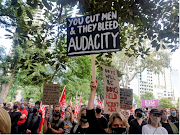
(93, 34)
(50, 94)
(111, 90)
(126, 98)
(149, 103)
(62, 101)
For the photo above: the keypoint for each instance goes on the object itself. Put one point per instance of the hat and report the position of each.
(138, 110)
(155, 111)
(15, 106)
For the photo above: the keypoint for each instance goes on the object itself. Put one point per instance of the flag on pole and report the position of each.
(99, 102)
(70, 102)
(42, 111)
(62, 101)
(77, 106)
(80, 102)
(135, 105)
(21, 100)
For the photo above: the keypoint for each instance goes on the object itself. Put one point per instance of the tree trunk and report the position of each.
(5, 90)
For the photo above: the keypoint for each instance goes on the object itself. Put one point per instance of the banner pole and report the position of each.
(93, 67)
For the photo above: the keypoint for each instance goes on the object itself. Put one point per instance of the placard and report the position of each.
(111, 90)
(126, 98)
(51, 94)
(149, 103)
(93, 34)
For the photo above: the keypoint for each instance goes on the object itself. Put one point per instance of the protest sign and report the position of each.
(93, 34)
(159, 108)
(149, 103)
(126, 98)
(51, 94)
(111, 90)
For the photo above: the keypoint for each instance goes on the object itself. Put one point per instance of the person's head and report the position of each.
(117, 124)
(5, 122)
(18, 104)
(73, 109)
(57, 112)
(8, 105)
(154, 117)
(82, 118)
(138, 113)
(37, 103)
(69, 109)
(15, 108)
(173, 111)
(164, 116)
(22, 106)
(69, 115)
(29, 105)
(98, 108)
(35, 110)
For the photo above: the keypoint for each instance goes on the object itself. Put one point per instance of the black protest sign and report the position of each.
(126, 98)
(93, 34)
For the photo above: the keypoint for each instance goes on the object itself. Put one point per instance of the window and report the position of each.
(168, 94)
(164, 94)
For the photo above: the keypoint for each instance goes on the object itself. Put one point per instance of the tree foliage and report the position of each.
(147, 95)
(165, 102)
(177, 105)
(138, 101)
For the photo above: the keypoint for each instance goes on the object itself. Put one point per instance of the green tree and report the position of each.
(177, 105)
(147, 95)
(165, 102)
(138, 101)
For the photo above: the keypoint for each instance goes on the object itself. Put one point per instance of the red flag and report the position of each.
(80, 102)
(77, 106)
(99, 102)
(42, 111)
(70, 102)
(62, 101)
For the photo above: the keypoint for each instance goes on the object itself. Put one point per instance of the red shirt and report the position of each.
(20, 122)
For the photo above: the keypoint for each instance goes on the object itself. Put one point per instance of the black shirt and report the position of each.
(131, 117)
(167, 127)
(81, 130)
(14, 119)
(103, 122)
(177, 124)
(135, 128)
(173, 119)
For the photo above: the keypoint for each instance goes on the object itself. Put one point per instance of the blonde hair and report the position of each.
(149, 121)
(71, 116)
(112, 118)
(5, 122)
(79, 115)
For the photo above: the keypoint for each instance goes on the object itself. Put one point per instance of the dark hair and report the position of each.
(163, 111)
(37, 102)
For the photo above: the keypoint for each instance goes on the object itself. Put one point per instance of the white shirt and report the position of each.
(149, 129)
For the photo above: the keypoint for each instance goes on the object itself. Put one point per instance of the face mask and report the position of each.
(67, 116)
(164, 117)
(84, 119)
(73, 111)
(173, 112)
(139, 115)
(118, 130)
(22, 107)
(98, 110)
(155, 120)
(56, 114)
(55, 121)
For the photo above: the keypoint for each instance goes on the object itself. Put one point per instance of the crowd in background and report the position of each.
(25, 118)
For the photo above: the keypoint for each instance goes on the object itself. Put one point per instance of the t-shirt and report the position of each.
(67, 127)
(149, 129)
(103, 122)
(22, 121)
(167, 127)
(81, 130)
(14, 119)
(135, 128)
(53, 125)
(173, 119)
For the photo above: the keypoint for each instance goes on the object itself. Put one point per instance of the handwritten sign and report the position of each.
(111, 90)
(51, 94)
(149, 103)
(126, 98)
(93, 34)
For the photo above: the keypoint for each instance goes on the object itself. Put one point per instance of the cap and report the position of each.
(138, 110)
(15, 106)
(155, 111)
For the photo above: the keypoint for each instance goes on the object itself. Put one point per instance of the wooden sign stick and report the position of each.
(93, 67)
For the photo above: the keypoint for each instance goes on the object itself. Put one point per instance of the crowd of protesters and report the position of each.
(25, 118)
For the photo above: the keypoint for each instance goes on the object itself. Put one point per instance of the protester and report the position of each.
(33, 122)
(69, 122)
(5, 122)
(74, 113)
(102, 120)
(131, 117)
(8, 107)
(82, 126)
(15, 115)
(54, 125)
(154, 125)
(169, 126)
(105, 115)
(29, 108)
(177, 122)
(21, 123)
(173, 116)
(137, 123)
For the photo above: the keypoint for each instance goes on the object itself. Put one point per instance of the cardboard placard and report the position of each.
(93, 34)
(51, 94)
(111, 90)
(126, 98)
(159, 108)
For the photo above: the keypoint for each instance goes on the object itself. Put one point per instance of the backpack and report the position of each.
(57, 124)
